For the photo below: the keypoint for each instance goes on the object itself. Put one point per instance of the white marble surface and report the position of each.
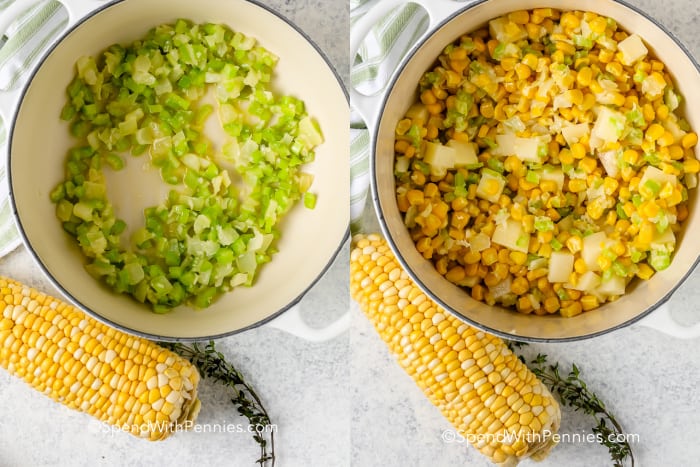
(648, 380)
(304, 386)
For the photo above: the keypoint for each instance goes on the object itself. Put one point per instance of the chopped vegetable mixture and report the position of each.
(546, 163)
(211, 233)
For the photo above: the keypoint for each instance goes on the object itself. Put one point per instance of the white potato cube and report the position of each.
(506, 31)
(593, 246)
(561, 265)
(490, 186)
(657, 175)
(608, 125)
(613, 286)
(610, 163)
(525, 149)
(479, 242)
(510, 235)
(439, 157)
(588, 282)
(632, 49)
(465, 153)
(573, 133)
(554, 175)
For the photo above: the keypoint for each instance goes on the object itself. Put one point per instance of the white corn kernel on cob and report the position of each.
(126, 381)
(478, 384)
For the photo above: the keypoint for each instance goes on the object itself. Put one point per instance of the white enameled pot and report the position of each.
(447, 21)
(39, 141)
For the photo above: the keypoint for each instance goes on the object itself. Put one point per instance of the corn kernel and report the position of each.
(565, 156)
(427, 97)
(580, 266)
(644, 271)
(569, 20)
(666, 139)
(614, 68)
(571, 310)
(587, 164)
(518, 257)
(662, 112)
(598, 24)
(523, 71)
(577, 185)
(654, 132)
(589, 302)
(519, 286)
(689, 140)
(691, 166)
(574, 244)
(584, 76)
(530, 60)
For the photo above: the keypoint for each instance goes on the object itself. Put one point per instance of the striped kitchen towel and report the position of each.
(21, 44)
(376, 60)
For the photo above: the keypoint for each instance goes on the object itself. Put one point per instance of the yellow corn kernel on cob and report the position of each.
(126, 381)
(478, 384)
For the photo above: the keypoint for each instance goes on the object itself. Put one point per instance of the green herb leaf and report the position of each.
(212, 364)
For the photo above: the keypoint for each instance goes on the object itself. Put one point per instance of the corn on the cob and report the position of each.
(481, 387)
(128, 382)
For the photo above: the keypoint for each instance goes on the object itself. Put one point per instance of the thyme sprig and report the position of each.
(573, 392)
(212, 364)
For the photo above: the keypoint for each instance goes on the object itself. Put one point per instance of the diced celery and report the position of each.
(309, 200)
(146, 99)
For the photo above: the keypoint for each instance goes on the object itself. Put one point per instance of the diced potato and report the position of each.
(465, 153)
(525, 149)
(562, 101)
(439, 157)
(664, 238)
(490, 186)
(510, 235)
(657, 175)
(653, 85)
(588, 282)
(573, 133)
(418, 112)
(506, 31)
(479, 242)
(554, 175)
(593, 246)
(502, 288)
(561, 265)
(672, 126)
(608, 125)
(632, 49)
(610, 162)
(613, 286)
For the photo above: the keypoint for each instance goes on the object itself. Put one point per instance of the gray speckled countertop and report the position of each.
(305, 386)
(346, 402)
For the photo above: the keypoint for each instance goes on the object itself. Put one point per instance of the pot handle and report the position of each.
(368, 107)
(662, 320)
(293, 323)
(77, 10)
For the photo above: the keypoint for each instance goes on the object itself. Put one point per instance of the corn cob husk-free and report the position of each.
(478, 384)
(126, 381)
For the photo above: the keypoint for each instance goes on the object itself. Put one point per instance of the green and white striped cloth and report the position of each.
(22, 43)
(380, 52)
